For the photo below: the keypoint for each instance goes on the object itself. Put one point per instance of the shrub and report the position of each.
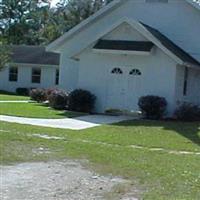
(38, 95)
(187, 112)
(23, 91)
(81, 101)
(152, 107)
(49, 91)
(58, 99)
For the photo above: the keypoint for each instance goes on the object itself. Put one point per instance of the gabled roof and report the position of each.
(114, 4)
(33, 55)
(153, 35)
(171, 46)
(124, 45)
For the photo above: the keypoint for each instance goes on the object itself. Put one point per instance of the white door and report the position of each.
(123, 89)
(134, 89)
(116, 89)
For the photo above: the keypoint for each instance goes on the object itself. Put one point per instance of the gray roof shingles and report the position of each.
(171, 46)
(33, 55)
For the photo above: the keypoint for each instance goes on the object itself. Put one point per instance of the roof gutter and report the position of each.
(30, 64)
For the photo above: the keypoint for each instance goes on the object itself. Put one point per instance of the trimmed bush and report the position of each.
(152, 107)
(187, 112)
(38, 95)
(58, 99)
(23, 91)
(81, 101)
(49, 91)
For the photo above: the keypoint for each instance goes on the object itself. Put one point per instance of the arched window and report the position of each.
(135, 72)
(116, 71)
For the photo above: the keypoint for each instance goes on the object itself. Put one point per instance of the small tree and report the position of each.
(58, 99)
(152, 107)
(38, 95)
(81, 101)
(4, 55)
(187, 112)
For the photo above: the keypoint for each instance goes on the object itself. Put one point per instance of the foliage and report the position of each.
(35, 22)
(22, 20)
(152, 107)
(188, 112)
(75, 11)
(38, 95)
(58, 99)
(4, 56)
(49, 91)
(23, 91)
(81, 101)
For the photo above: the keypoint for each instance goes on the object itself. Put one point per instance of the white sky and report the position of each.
(54, 2)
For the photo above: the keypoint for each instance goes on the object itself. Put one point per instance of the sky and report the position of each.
(54, 2)
(197, 1)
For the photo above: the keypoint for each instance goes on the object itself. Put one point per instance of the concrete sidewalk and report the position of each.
(78, 123)
(16, 101)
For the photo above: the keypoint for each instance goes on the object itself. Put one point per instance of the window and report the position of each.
(36, 75)
(57, 77)
(116, 71)
(135, 72)
(185, 84)
(13, 74)
(156, 1)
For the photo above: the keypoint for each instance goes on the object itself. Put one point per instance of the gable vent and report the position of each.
(156, 1)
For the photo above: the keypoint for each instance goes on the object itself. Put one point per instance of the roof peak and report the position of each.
(115, 3)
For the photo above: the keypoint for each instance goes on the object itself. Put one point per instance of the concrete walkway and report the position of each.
(78, 123)
(15, 101)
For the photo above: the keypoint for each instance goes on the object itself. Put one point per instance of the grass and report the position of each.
(35, 110)
(158, 175)
(12, 97)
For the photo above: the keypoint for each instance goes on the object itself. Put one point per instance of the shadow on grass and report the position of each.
(11, 93)
(62, 113)
(189, 130)
(71, 114)
(40, 104)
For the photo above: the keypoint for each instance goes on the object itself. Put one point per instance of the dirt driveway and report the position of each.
(67, 180)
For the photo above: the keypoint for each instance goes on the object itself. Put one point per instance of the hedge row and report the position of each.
(78, 100)
(152, 107)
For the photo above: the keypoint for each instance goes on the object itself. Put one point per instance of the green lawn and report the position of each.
(157, 174)
(34, 110)
(12, 97)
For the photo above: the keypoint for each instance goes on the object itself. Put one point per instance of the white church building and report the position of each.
(30, 67)
(128, 49)
(132, 48)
